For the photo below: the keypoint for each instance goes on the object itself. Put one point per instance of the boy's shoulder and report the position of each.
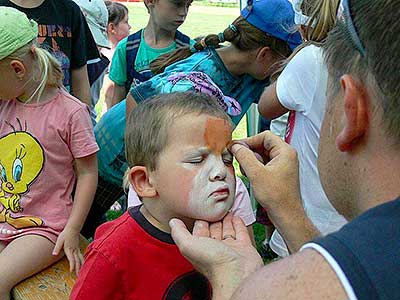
(117, 235)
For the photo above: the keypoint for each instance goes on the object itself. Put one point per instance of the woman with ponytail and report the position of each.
(301, 89)
(47, 145)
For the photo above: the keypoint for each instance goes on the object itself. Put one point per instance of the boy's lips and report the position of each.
(220, 194)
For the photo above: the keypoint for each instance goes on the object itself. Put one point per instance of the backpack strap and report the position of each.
(181, 39)
(132, 47)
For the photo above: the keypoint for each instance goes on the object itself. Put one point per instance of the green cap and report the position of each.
(16, 30)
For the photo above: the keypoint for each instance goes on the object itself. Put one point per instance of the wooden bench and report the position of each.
(53, 283)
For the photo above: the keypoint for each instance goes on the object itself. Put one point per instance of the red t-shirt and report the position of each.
(132, 259)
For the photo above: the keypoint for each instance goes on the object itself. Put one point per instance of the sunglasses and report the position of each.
(344, 15)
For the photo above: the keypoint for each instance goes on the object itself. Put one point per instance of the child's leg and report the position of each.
(22, 258)
(2, 246)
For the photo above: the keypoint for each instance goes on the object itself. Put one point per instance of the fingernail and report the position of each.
(172, 222)
(235, 148)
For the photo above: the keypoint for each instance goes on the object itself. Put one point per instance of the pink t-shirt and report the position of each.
(241, 207)
(38, 145)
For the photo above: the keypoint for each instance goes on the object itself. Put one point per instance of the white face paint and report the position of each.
(195, 176)
(213, 187)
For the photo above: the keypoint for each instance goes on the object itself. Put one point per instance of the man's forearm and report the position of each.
(294, 225)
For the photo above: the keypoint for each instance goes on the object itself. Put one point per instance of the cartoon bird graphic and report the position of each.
(21, 161)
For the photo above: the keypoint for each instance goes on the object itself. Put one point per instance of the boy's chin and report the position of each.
(215, 217)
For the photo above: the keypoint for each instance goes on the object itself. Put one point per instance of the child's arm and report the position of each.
(269, 105)
(80, 87)
(86, 173)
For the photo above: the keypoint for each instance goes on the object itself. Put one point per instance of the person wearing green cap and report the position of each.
(64, 30)
(47, 145)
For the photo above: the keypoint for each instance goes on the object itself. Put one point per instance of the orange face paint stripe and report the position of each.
(217, 134)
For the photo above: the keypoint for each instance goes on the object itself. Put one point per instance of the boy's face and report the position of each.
(169, 14)
(195, 177)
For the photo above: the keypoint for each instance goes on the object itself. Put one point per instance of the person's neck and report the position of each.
(28, 3)
(157, 37)
(48, 93)
(378, 176)
(156, 217)
(234, 60)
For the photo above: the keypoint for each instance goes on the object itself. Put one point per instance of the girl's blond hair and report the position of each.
(46, 68)
(322, 18)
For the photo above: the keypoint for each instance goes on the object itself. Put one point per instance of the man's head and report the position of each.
(363, 107)
(176, 146)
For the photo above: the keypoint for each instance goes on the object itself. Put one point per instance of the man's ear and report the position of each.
(356, 119)
(18, 68)
(140, 180)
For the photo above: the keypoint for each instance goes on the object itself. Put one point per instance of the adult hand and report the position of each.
(221, 251)
(276, 181)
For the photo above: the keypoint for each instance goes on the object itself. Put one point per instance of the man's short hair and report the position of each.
(147, 130)
(377, 25)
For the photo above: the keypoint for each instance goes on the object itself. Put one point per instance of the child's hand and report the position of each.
(69, 239)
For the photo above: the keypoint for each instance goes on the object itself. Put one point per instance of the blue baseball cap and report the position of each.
(275, 18)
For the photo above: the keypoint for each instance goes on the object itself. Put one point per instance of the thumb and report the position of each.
(58, 247)
(179, 232)
(247, 160)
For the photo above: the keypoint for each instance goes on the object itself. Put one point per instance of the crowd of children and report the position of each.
(172, 103)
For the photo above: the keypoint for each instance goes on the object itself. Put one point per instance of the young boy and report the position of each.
(176, 146)
(132, 57)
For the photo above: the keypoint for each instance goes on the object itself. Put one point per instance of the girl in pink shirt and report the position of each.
(46, 146)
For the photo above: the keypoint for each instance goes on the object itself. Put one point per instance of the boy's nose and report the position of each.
(218, 171)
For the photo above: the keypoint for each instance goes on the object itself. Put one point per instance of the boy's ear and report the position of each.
(111, 27)
(139, 178)
(18, 67)
(149, 3)
(356, 120)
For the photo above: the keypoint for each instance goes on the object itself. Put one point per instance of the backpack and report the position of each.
(132, 47)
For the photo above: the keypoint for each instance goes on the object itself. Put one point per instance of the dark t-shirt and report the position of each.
(63, 28)
(368, 251)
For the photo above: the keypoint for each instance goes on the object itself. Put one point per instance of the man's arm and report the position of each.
(80, 87)
(304, 275)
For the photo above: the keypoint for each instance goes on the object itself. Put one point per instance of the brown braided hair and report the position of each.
(244, 37)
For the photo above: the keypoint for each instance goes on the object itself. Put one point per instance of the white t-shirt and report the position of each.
(301, 88)
(241, 207)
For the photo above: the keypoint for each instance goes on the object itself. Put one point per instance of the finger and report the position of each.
(201, 228)
(228, 230)
(71, 259)
(179, 233)
(77, 262)
(265, 142)
(247, 161)
(216, 230)
(58, 247)
(242, 234)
